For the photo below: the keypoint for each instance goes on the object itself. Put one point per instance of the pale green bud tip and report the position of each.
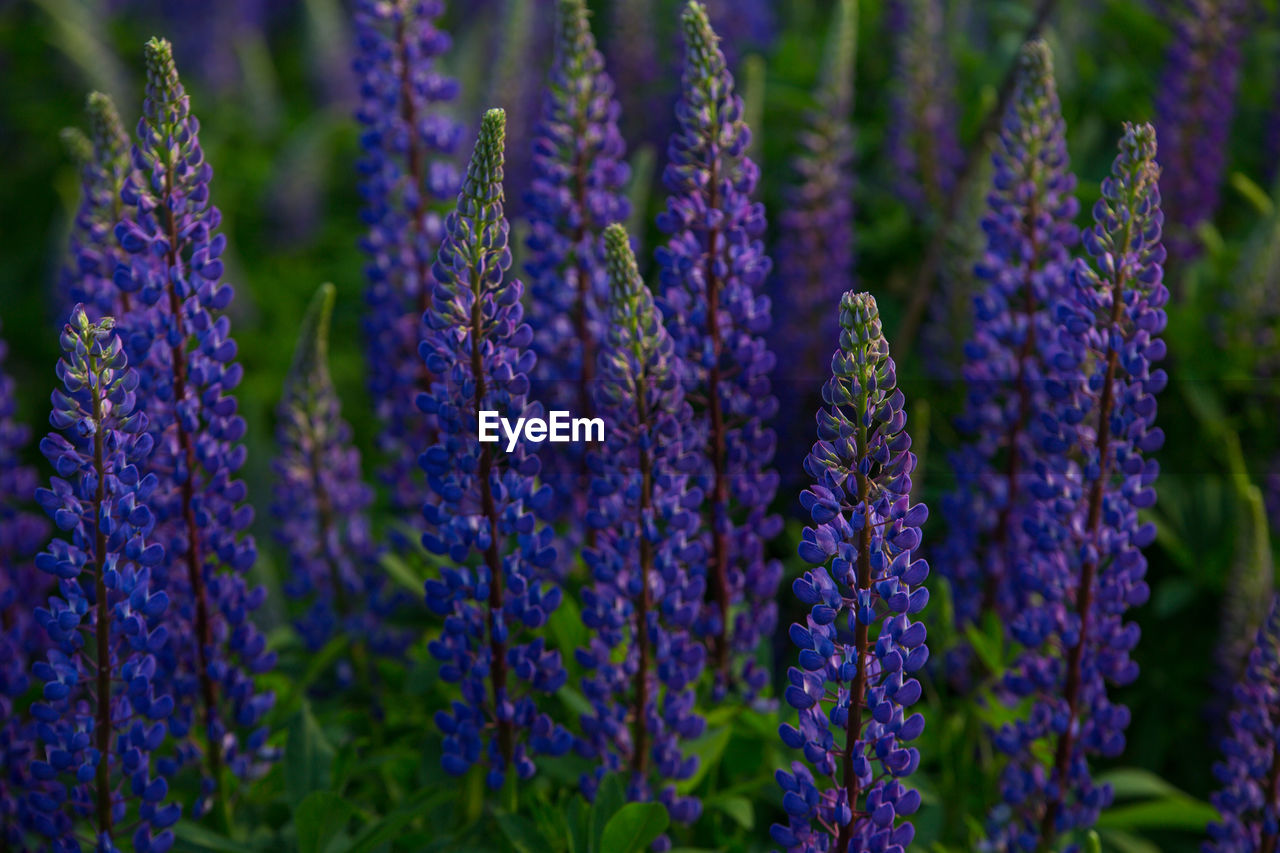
(311, 358)
(860, 315)
(624, 274)
(1035, 61)
(77, 145)
(571, 21)
(700, 38)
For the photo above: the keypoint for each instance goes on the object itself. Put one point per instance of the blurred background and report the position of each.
(272, 85)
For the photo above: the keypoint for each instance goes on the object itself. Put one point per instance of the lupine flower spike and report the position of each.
(1195, 103)
(22, 534)
(1026, 269)
(1249, 800)
(645, 599)
(321, 504)
(181, 344)
(86, 278)
(815, 244)
(405, 169)
(498, 586)
(859, 647)
(922, 132)
(579, 179)
(713, 269)
(104, 709)
(1093, 479)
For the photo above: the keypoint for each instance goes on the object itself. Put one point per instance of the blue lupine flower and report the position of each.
(321, 505)
(922, 134)
(405, 172)
(578, 184)
(859, 648)
(645, 598)
(1026, 268)
(1092, 479)
(713, 269)
(22, 534)
(104, 709)
(1195, 102)
(1249, 800)
(498, 586)
(180, 341)
(86, 278)
(815, 243)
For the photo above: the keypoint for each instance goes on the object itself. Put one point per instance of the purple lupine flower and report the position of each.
(322, 504)
(645, 598)
(180, 341)
(1092, 480)
(499, 585)
(712, 271)
(1249, 800)
(404, 171)
(1195, 103)
(93, 253)
(22, 534)
(642, 69)
(104, 707)
(1026, 268)
(815, 244)
(859, 646)
(578, 189)
(922, 135)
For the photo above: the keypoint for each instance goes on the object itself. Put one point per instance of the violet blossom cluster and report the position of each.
(321, 505)
(1248, 802)
(922, 133)
(86, 276)
(1025, 269)
(179, 339)
(712, 272)
(815, 244)
(579, 177)
(646, 562)
(1093, 478)
(22, 534)
(498, 585)
(104, 706)
(406, 172)
(859, 647)
(1195, 103)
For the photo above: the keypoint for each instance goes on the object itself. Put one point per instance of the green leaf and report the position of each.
(739, 809)
(399, 571)
(1092, 844)
(195, 838)
(634, 827)
(389, 827)
(1172, 813)
(610, 797)
(1122, 842)
(567, 631)
(1133, 783)
(320, 816)
(522, 834)
(308, 757)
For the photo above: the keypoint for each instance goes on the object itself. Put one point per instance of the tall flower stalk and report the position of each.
(1249, 800)
(922, 132)
(103, 710)
(405, 172)
(858, 646)
(181, 344)
(1026, 269)
(645, 598)
(22, 534)
(498, 586)
(1195, 104)
(713, 269)
(1093, 481)
(86, 277)
(579, 177)
(815, 245)
(321, 504)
